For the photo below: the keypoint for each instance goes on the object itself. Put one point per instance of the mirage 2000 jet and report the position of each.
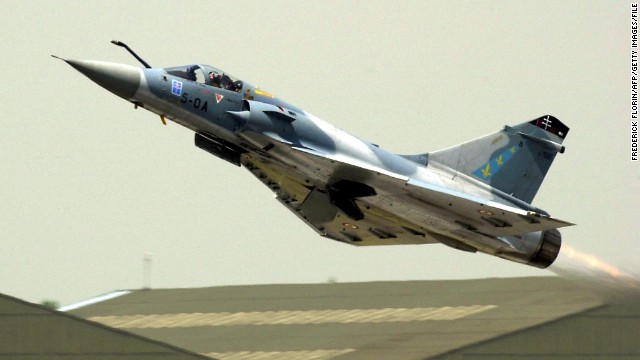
(475, 196)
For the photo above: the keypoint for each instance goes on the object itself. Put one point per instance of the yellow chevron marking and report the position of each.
(485, 171)
(499, 160)
(513, 149)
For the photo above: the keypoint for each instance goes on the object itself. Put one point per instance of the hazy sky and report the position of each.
(89, 185)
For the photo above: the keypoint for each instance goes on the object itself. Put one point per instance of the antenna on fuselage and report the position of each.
(120, 43)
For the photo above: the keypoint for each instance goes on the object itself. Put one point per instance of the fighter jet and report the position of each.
(474, 197)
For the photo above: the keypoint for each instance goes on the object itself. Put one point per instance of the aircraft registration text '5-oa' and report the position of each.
(475, 196)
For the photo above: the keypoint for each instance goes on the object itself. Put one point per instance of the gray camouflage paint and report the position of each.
(474, 197)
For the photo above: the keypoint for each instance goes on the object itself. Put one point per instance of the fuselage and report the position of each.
(205, 108)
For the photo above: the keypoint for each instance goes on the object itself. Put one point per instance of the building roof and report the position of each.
(29, 331)
(606, 332)
(381, 320)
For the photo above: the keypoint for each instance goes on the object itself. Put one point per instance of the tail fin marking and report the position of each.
(514, 160)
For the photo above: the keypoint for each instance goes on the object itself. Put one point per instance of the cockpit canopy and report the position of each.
(205, 74)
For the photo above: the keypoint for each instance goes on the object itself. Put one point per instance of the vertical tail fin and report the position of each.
(513, 160)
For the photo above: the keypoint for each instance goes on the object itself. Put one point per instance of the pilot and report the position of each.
(191, 72)
(235, 86)
(225, 81)
(214, 77)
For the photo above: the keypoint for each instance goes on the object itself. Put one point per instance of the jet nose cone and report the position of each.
(122, 80)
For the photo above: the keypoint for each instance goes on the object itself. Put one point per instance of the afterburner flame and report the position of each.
(589, 270)
(592, 261)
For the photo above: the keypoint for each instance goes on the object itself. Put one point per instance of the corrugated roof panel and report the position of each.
(380, 320)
